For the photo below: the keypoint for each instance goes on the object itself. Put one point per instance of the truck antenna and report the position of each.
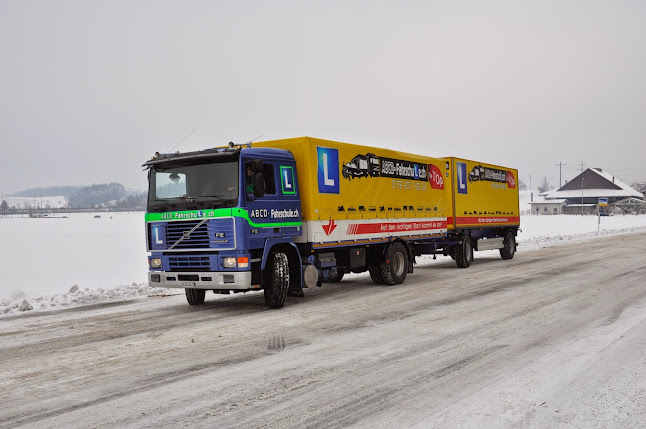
(182, 141)
(251, 141)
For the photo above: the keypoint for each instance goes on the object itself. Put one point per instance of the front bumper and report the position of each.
(216, 280)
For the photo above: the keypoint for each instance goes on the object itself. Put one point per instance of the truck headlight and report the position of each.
(229, 262)
(155, 262)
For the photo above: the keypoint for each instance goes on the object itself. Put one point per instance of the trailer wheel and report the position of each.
(509, 242)
(276, 290)
(375, 274)
(464, 253)
(394, 270)
(195, 296)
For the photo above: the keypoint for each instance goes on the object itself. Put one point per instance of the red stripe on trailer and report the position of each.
(376, 228)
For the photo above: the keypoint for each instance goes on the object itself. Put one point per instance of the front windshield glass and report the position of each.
(187, 186)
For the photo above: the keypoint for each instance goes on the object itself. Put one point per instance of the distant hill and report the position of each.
(52, 191)
(94, 196)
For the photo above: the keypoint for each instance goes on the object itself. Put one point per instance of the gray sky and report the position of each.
(91, 89)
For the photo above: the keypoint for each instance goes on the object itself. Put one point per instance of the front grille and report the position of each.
(197, 239)
(215, 234)
(189, 263)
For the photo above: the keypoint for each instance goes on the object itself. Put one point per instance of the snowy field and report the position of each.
(54, 263)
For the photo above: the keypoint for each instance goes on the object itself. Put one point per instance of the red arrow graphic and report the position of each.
(329, 227)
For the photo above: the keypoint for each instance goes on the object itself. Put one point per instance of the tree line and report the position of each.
(109, 195)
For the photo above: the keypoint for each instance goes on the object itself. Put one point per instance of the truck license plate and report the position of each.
(188, 284)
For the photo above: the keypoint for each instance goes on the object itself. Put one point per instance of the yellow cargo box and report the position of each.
(484, 195)
(363, 194)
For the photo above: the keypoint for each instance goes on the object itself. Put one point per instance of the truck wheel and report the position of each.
(276, 290)
(338, 278)
(464, 253)
(394, 270)
(195, 296)
(509, 242)
(375, 274)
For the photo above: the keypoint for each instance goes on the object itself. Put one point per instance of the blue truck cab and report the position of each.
(225, 219)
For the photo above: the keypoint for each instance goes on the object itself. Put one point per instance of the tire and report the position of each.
(464, 253)
(395, 269)
(195, 296)
(452, 252)
(338, 278)
(509, 250)
(375, 274)
(276, 290)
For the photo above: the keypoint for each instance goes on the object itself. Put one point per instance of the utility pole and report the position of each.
(582, 165)
(530, 182)
(560, 165)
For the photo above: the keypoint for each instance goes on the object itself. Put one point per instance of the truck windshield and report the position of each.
(191, 186)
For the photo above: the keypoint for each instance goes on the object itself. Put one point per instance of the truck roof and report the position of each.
(218, 152)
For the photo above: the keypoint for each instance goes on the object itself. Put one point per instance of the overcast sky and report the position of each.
(89, 90)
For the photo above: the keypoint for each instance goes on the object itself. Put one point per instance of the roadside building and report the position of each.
(576, 209)
(583, 192)
(630, 205)
(543, 206)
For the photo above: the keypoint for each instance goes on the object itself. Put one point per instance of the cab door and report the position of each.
(277, 213)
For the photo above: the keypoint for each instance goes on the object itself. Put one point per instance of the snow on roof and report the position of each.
(542, 200)
(609, 177)
(590, 193)
(625, 191)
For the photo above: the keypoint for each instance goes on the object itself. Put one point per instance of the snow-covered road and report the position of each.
(555, 337)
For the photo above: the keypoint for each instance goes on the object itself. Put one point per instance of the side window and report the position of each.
(270, 179)
(260, 178)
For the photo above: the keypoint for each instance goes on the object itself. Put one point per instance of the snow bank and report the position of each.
(75, 297)
(542, 231)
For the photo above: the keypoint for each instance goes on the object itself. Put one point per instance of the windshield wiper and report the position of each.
(218, 197)
(174, 198)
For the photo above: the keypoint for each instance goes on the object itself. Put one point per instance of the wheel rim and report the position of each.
(398, 264)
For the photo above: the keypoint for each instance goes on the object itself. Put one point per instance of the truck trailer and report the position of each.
(285, 215)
